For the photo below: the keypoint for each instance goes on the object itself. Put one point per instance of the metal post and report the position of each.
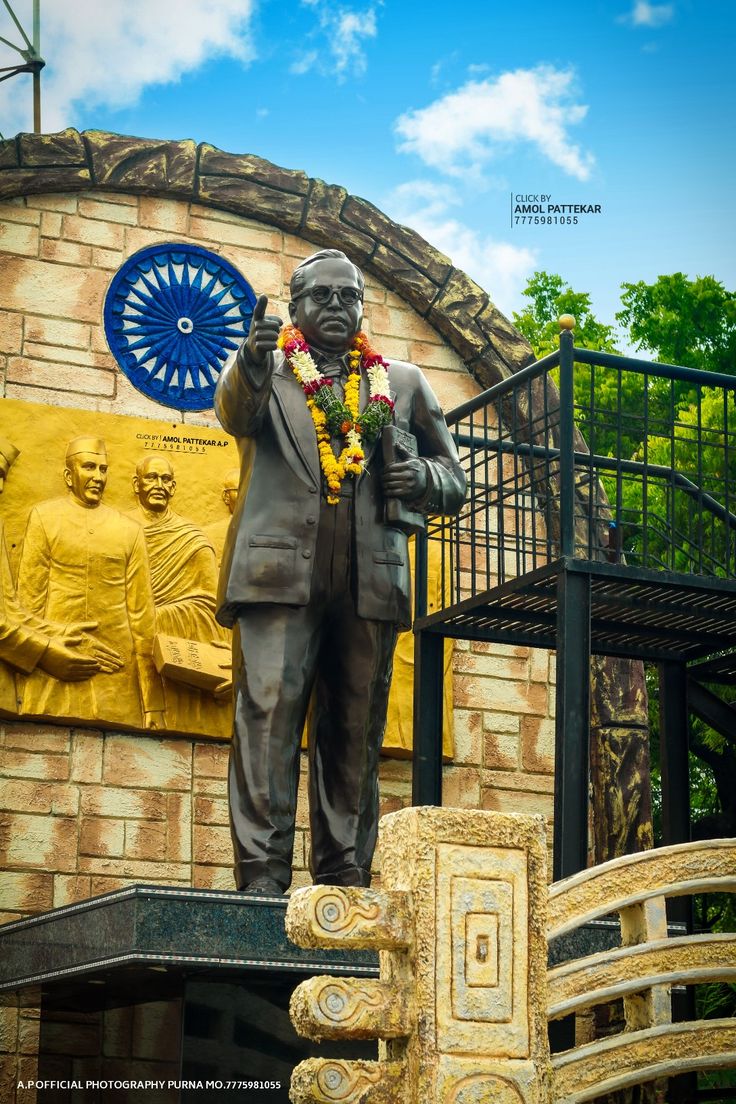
(426, 788)
(428, 695)
(673, 749)
(572, 724)
(567, 439)
(673, 740)
(37, 71)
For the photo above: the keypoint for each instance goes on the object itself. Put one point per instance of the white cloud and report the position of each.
(351, 28)
(304, 63)
(500, 268)
(462, 130)
(107, 53)
(345, 32)
(644, 14)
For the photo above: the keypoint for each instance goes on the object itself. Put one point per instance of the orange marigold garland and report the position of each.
(333, 417)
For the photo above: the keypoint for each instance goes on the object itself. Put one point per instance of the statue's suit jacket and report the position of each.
(270, 548)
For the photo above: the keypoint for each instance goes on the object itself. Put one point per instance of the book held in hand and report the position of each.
(397, 444)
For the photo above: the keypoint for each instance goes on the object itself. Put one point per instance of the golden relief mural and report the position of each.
(98, 565)
(111, 534)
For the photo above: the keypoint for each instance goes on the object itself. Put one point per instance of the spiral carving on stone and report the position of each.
(335, 913)
(471, 1090)
(343, 1082)
(344, 1003)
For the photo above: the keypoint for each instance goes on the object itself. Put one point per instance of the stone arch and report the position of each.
(326, 214)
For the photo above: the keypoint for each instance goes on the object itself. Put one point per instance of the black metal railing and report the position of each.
(591, 456)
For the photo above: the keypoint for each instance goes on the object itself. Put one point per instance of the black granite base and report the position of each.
(140, 933)
(179, 989)
(217, 1040)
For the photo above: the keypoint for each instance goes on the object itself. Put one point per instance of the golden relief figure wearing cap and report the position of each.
(84, 561)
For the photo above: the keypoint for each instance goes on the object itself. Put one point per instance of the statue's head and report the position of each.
(327, 300)
(230, 488)
(85, 473)
(8, 454)
(154, 483)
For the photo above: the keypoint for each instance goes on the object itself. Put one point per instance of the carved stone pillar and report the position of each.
(461, 1002)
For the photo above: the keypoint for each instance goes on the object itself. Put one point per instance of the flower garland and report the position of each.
(333, 417)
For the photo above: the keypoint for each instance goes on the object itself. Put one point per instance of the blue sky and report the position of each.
(437, 120)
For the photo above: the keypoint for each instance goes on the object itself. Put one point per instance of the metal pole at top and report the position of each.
(37, 71)
(30, 52)
(567, 438)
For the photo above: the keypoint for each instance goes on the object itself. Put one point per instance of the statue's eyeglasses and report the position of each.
(322, 294)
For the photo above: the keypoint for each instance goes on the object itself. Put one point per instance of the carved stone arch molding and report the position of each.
(460, 311)
(326, 214)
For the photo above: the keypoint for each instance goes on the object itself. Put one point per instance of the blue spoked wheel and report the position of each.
(173, 313)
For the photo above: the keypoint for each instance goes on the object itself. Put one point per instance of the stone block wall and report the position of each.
(86, 811)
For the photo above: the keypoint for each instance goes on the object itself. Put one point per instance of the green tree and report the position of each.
(682, 532)
(691, 431)
(681, 321)
(549, 297)
(608, 403)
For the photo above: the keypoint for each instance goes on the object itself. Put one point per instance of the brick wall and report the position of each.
(87, 811)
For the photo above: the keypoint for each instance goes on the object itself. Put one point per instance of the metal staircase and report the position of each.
(600, 520)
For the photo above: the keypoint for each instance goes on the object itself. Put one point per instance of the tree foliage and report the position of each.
(614, 427)
(549, 297)
(681, 321)
(698, 442)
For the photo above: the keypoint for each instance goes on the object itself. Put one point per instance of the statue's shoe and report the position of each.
(263, 885)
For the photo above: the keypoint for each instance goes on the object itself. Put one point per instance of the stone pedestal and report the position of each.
(185, 989)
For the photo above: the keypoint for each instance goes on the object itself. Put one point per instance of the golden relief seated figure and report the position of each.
(184, 581)
(82, 561)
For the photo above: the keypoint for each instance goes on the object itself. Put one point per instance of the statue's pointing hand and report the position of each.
(264, 331)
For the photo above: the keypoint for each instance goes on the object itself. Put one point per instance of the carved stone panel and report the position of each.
(133, 563)
(482, 950)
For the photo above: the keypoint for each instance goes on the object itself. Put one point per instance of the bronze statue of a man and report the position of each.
(314, 580)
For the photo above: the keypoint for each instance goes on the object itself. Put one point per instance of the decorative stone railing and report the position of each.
(460, 1007)
(463, 1001)
(642, 969)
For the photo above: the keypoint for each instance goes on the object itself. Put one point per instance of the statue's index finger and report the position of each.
(260, 308)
